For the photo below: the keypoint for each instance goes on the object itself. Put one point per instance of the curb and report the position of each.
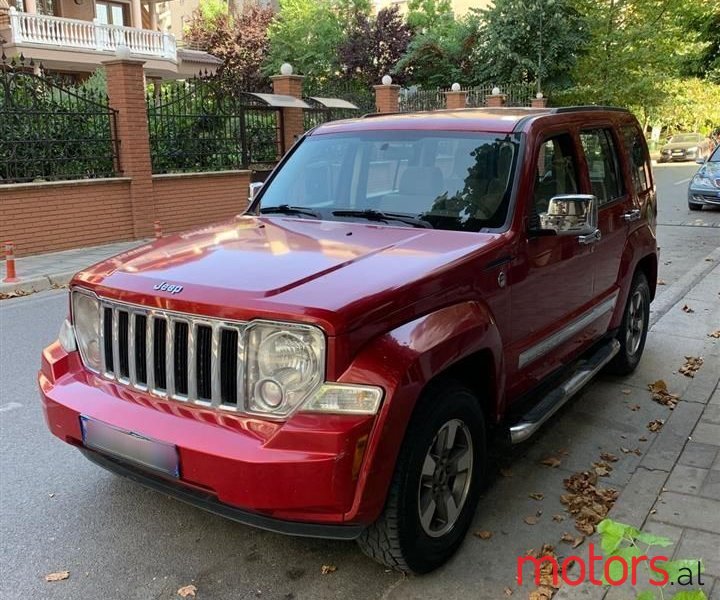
(674, 293)
(36, 284)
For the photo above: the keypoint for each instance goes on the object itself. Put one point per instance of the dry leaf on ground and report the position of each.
(626, 392)
(691, 366)
(57, 576)
(551, 461)
(662, 395)
(631, 451)
(687, 309)
(602, 469)
(537, 495)
(187, 591)
(547, 588)
(327, 569)
(634, 407)
(558, 518)
(661, 282)
(531, 520)
(508, 591)
(642, 439)
(568, 538)
(484, 534)
(608, 457)
(655, 425)
(715, 334)
(586, 501)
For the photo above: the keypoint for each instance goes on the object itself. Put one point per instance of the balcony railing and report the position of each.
(91, 35)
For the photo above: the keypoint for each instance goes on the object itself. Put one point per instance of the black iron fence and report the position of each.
(320, 113)
(49, 132)
(414, 99)
(202, 125)
(515, 95)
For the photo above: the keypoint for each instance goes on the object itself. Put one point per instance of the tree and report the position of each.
(241, 41)
(529, 41)
(373, 46)
(427, 15)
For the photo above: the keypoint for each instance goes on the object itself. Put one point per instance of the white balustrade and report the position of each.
(73, 33)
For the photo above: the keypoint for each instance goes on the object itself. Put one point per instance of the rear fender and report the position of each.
(403, 361)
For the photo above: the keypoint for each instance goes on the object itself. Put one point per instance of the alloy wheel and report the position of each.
(445, 478)
(635, 322)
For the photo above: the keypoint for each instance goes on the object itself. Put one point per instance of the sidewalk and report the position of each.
(46, 271)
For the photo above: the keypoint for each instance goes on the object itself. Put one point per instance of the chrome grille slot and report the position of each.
(191, 359)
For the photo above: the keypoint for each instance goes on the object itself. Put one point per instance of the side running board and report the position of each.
(550, 404)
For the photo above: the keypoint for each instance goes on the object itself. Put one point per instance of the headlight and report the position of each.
(285, 364)
(700, 181)
(86, 321)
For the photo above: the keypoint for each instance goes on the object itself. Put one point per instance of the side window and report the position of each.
(638, 160)
(603, 166)
(556, 172)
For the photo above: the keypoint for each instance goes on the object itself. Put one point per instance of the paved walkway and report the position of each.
(45, 271)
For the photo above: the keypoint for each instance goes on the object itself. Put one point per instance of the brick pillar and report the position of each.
(455, 100)
(539, 102)
(495, 100)
(387, 98)
(126, 92)
(293, 124)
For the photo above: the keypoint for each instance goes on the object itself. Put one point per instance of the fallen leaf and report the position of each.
(567, 538)
(578, 540)
(687, 309)
(631, 451)
(714, 334)
(558, 518)
(508, 591)
(634, 407)
(537, 495)
(506, 472)
(57, 576)
(661, 282)
(626, 392)
(327, 569)
(655, 425)
(52, 495)
(586, 501)
(483, 535)
(708, 259)
(606, 456)
(602, 469)
(531, 520)
(187, 591)
(642, 439)
(691, 366)
(551, 461)
(662, 395)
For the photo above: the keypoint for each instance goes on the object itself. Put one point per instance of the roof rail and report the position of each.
(593, 107)
(377, 114)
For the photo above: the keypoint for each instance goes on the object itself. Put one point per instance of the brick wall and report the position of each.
(44, 217)
(187, 200)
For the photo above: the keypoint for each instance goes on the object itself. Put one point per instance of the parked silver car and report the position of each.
(704, 188)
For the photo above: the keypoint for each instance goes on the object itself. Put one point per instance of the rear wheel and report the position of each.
(436, 485)
(634, 327)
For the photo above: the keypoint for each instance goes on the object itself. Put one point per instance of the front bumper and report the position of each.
(297, 477)
(704, 197)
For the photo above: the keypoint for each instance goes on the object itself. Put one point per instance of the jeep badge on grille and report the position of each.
(168, 287)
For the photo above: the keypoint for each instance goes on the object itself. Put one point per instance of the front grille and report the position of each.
(180, 356)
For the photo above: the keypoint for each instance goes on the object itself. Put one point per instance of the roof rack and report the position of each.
(566, 109)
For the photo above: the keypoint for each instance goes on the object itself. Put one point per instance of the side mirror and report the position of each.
(255, 188)
(572, 214)
(700, 160)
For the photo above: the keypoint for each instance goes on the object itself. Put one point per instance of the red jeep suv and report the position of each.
(402, 292)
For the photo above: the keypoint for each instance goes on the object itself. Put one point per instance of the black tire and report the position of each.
(631, 347)
(693, 206)
(398, 539)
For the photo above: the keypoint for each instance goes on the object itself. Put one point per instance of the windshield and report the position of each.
(445, 180)
(687, 137)
(715, 156)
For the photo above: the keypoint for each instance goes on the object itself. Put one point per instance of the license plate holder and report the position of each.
(130, 446)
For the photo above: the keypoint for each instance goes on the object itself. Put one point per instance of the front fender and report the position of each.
(402, 362)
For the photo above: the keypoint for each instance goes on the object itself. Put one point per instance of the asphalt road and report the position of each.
(120, 541)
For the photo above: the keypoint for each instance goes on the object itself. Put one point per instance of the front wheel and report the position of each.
(436, 484)
(634, 327)
(693, 206)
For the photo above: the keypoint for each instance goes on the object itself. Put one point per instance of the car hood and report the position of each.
(711, 170)
(681, 145)
(336, 273)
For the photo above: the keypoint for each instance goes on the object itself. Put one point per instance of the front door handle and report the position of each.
(633, 215)
(590, 238)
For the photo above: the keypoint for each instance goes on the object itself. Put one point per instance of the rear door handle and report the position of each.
(590, 238)
(633, 215)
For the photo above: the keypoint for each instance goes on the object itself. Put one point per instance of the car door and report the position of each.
(553, 284)
(606, 181)
(644, 195)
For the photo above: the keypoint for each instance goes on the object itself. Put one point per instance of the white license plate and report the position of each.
(132, 447)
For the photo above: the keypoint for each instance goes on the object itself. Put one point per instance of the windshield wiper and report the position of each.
(286, 209)
(377, 215)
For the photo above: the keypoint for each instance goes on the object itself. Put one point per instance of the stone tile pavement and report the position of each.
(45, 271)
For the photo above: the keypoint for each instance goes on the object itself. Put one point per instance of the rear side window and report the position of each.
(556, 172)
(639, 166)
(603, 166)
